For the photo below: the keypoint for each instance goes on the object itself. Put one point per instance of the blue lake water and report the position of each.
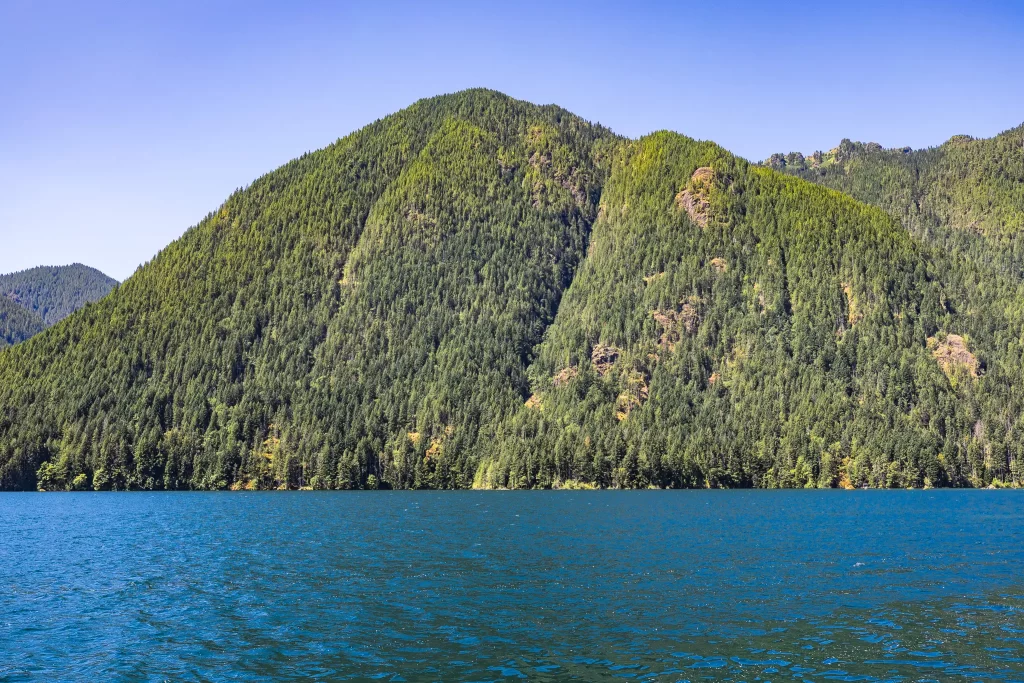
(546, 586)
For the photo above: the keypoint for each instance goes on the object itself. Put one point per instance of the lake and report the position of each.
(486, 586)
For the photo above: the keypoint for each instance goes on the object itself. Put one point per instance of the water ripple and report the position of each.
(544, 586)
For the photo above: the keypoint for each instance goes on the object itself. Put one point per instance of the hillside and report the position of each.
(734, 327)
(16, 323)
(53, 293)
(966, 196)
(395, 282)
(963, 201)
(481, 291)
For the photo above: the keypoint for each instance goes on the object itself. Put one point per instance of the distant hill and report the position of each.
(55, 292)
(479, 291)
(966, 195)
(17, 323)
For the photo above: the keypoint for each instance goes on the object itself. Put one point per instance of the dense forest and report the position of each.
(478, 291)
(17, 323)
(964, 202)
(55, 292)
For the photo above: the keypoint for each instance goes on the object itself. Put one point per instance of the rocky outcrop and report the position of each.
(952, 355)
(603, 358)
(564, 375)
(674, 323)
(695, 198)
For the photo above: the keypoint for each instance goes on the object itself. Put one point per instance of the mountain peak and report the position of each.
(479, 291)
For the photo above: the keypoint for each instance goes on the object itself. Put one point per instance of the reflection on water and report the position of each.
(667, 586)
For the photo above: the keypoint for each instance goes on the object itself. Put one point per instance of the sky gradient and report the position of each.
(123, 124)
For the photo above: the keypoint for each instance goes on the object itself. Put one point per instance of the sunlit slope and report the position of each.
(966, 195)
(737, 327)
(393, 282)
(963, 201)
(481, 291)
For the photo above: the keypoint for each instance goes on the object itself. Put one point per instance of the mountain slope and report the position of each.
(734, 327)
(964, 202)
(16, 323)
(481, 291)
(53, 293)
(966, 195)
(297, 335)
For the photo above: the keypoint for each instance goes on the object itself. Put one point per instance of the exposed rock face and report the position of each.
(603, 358)
(953, 354)
(564, 375)
(695, 199)
(687, 319)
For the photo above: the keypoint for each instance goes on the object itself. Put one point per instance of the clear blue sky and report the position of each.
(124, 123)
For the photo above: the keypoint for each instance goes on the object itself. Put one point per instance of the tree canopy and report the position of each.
(55, 292)
(478, 291)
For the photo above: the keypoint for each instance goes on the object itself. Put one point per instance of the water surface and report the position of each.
(546, 586)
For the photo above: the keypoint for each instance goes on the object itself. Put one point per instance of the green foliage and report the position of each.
(965, 196)
(16, 323)
(480, 291)
(394, 282)
(773, 346)
(53, 293)
(964, 203)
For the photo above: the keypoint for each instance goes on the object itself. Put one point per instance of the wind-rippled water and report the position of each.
(419, 586)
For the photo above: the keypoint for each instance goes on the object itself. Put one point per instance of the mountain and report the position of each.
(735, 327)
(963, 201)
(16, 323)
(478, 291)
(966, 195)
(53, 293)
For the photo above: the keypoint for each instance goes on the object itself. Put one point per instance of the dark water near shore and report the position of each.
(650, 585)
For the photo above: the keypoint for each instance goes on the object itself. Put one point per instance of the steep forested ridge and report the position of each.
(964, 203)
(966, 195)
(392, 284)
(734, 327)
(481, 291)
(55, 292)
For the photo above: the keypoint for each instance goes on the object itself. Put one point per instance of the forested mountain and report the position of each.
(481, 291)
(964, 202)
(16, 323)
(763, 332)
(55, 292)
(966, 195)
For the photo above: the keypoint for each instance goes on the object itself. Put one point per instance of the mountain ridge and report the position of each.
(481, 291)
(54, 292)
(17, 323)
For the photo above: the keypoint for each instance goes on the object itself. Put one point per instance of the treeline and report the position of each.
(478, 291)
